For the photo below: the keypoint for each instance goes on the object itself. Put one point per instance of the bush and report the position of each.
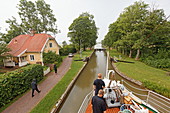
(51, 57)
(158, 63)
(158, 60)
(157, 88)
(17, 82)
(67, 49)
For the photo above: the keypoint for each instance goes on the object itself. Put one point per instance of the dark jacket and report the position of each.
(55, 67)
(34, 84)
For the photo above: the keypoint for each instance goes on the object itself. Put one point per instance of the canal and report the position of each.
(83, 85)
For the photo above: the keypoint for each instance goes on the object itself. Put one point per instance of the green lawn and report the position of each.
(142, 72)
(47, 103)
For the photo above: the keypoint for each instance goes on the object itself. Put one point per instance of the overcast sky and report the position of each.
(105, 12)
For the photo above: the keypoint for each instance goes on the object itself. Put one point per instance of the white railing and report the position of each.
(156, 100)
(9, 63)
(47, 71)
(85, 103)
(23, 63)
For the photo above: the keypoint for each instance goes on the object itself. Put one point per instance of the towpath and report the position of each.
(26, 103)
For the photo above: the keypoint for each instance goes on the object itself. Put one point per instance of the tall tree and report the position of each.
(83, 31)
(28, 15)
(36, 16)
(13, 31)
(47, 18)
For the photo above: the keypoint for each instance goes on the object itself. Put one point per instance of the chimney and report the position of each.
(32, 32)
(15, 41)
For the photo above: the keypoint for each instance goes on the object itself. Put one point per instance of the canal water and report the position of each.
(84, 84)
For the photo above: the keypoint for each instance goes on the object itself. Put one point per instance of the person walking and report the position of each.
(34, 87)
(98, 103)
(55, 68)
(98, 84)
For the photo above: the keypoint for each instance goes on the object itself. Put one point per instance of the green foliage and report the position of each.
(16, 82)
(51, 57)
(159, 60)
(36, 16)
(3, 51)
(45, 67)
(159, 88)
(83, 31)
(67, 49)
(139, 29)
(13, 31)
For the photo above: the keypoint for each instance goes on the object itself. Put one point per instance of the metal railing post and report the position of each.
(122, 81)
(148, 97)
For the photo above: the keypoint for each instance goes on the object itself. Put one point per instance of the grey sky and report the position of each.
(105, 12)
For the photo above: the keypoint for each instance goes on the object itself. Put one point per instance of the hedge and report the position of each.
(17, 82)
(157, 88)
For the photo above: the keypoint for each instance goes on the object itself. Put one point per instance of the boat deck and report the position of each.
(109, 110)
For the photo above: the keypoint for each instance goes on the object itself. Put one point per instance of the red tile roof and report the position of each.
(28, 43)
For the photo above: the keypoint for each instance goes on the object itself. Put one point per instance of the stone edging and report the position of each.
(124, 76)
(64, 95)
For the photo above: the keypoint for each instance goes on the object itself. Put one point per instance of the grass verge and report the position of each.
(144, 73)
(47, 103)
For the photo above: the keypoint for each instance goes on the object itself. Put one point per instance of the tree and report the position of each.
(13, 31)
(3, 51)
(28, 15)
(51, 57)
(64, 43)
(47, 18)
(83, 31)
(36, 16)
(139, 29)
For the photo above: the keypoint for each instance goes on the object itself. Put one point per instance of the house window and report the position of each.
(32, 57)
(22, 59)
(51, 44)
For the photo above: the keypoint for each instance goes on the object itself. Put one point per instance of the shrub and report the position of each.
(51, 57)
(67, 49)
(157, 88)
(159, 60)
(17, 82)
(158, 63)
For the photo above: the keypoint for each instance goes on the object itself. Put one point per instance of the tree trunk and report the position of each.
(123, 51)
(79, 47)
(84, 48)
(137, 55)
(130, 54)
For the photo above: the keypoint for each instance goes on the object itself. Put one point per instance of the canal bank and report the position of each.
(83, 85)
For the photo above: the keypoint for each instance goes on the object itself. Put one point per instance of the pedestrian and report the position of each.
(55, 68)
(98, 103)
(98, 84)
(34, 87)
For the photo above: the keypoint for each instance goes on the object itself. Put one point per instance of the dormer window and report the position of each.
(15, 41)
(51, 44)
